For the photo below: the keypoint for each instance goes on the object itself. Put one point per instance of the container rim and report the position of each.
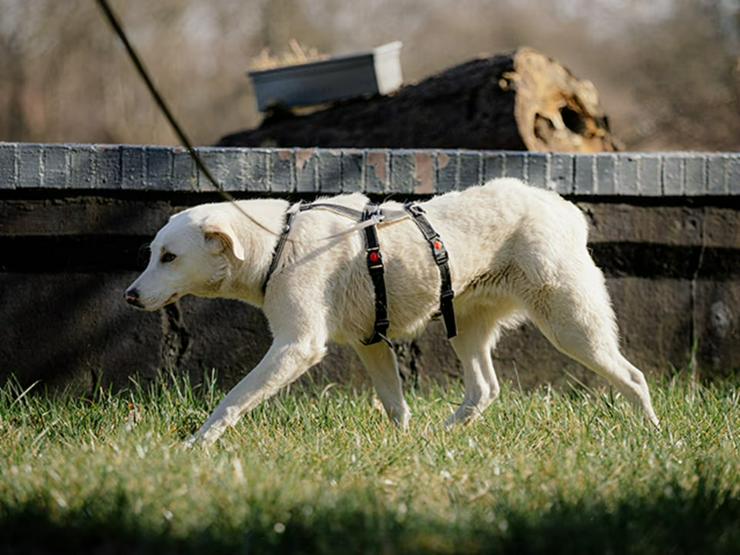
(380, 50)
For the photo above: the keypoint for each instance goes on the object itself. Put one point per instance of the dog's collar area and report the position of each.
(369, 217)
(290, 215)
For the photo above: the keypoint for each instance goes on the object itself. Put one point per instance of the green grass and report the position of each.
(320, 470)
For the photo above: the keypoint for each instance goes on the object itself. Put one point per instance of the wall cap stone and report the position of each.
(102, 168)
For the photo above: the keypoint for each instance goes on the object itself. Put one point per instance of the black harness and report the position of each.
(374, 260)
(289, 217)
(442, 259)
(377, 270)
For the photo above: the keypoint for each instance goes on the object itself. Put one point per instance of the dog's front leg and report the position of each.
(380, 362)
(284, 362)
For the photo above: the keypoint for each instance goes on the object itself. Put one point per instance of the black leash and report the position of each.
(159, 99)
(374, 257)
(118, 28)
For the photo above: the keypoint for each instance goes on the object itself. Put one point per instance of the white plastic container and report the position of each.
(375, 72)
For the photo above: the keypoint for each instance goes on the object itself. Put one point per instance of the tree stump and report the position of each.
(518, 101)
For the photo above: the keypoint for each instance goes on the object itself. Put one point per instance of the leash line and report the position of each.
(164, 108)
(118, 29)
(371, 217)
(161, 103)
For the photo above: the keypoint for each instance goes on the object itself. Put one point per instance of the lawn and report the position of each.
(318, 469)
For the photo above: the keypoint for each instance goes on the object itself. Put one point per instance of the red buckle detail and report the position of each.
(374, 257)
(438, 245)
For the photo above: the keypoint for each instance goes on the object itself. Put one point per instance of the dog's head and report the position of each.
(191, 255)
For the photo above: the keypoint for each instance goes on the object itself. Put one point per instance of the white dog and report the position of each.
(515, 252)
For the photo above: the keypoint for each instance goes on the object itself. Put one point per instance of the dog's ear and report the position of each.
(224, 236)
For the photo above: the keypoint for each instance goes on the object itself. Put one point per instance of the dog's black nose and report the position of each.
(132, 298)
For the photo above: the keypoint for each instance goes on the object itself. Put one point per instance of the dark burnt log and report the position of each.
(518, 101)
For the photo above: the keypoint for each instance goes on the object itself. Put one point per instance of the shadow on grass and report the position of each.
(674, 520)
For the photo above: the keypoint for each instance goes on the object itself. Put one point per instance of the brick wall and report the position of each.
(664, 228)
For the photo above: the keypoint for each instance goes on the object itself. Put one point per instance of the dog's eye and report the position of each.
(167, 257)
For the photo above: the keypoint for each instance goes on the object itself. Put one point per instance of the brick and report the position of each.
(132, 167)
(109, 167)
(233, 164)
(470, 169)
(184, 177)
(377, 162)
(562, 168)
(330, 171)
(54, 164)
(585, 184)
(353, 170)
(695, 179)
(231, 171)
(515, 165)
(493, 165)
(717, 174)
(220, 168)
(403, 172)
(537, 166)
(29, 166)
(606, 174)
(732, 173)
(649, 177)
(158, 168)
(8, 166)
(255, 170)
(672, 177)
(82, 167)
(282, 176)
(425, 172)
(447, 171)
(306, 170)
(627, 178)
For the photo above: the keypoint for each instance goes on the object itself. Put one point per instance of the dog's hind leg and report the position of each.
(477, 333)
(578, 320)
(380, 362)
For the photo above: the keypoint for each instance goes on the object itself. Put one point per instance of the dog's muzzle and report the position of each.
(132, 298)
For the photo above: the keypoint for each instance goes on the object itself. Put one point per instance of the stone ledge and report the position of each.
(103, 168)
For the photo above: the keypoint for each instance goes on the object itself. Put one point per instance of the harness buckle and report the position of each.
(447, 294)
(415, 209)
(441, 256)
(382, 324)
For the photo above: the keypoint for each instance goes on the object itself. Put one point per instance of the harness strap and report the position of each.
(294, 210)
(377, 271)
(289, 216)
(373, 212)
(338, 208)
(441, 258)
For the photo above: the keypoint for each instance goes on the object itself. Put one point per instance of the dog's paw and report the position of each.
(191, 442)
(202, 439)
